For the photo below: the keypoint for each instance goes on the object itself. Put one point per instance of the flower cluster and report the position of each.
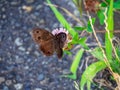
(69, 37)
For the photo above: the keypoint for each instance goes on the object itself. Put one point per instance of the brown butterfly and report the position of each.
(49, 43)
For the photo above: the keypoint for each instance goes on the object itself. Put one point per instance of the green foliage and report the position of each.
(116, 5)
(109, 26)
(90, 73)
(75, 65)
(89, 29)
(78, 28)
(101, 16)
(118, 50)
(62, 20)
(115, 65)
(97, 53)
(95, 67)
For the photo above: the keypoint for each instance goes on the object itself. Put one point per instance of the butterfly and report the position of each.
(49, 43)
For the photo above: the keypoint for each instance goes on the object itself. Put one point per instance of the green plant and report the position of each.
(107, 57)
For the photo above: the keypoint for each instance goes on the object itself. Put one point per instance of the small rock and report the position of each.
(38, 7)
(66, 71)
(21, 48)
(3, 9)
(8, 82)
(29, 1)
(19, 59)
(18, 42)
(26, 67)
(2, 79)
(42, 21)
(27, 52)
(5, 88)
(3, 16)
(45, 81)
(38, 89)
(40, 77)
(14, 3)
(27, 8)
(37, 53)
(18, 86)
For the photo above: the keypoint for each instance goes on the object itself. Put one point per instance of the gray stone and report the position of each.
(2, 79)
(5, 88)
(40, 77)
(38, 89)
(21, 48)
(18, 42)
(8, 82)
(18, 86)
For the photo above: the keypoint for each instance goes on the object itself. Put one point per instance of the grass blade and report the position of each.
(109, 26)
(75, 65)
(90, 73)
(62, 20)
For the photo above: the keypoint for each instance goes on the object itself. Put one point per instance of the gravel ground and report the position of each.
(22, 66)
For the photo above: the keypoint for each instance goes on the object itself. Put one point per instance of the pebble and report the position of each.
(29, 1)
(21, 48)
(37, 53)
(2, 79)
(18, 42)
(18, 86)
(26, 67)
(38, 7)
(45, 81)
(5, 88)
(27, 8)
(66, 71)
(40, 77)
(8, 82)
(38, 89)
(3, 9)
(14, 3)
(18, 59)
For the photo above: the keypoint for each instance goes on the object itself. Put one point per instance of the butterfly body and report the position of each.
(49, 43)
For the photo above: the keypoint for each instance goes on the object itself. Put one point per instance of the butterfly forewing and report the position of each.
(41, 35)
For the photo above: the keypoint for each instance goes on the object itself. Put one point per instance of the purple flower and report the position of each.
(59, 30)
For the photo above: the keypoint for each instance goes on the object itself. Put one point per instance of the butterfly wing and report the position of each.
(40, 35)
(60, 41)
(45, 39)
(61, 38)
(48, 47)
(59, 52)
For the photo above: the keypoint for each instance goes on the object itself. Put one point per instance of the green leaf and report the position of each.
(79, 28)
(116, 5)
(101, 16)
(110, 22)
(75, 65)
(97, 52)
(90, 73)
(62, 20)
(67, 52)
(82, 42)
(89, 29)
